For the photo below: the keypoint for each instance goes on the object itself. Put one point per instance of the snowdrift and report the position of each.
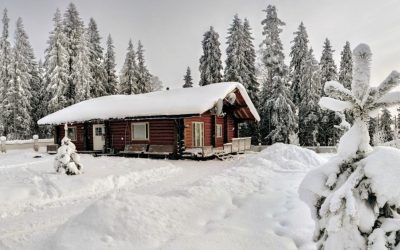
(211, 214)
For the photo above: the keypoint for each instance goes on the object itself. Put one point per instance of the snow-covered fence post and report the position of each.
(354, 198)
(36, 143)
(67, 159)
(3, 144)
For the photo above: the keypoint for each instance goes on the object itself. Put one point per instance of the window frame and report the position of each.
(218, 128)
(75, 133)
(147, 130)
(194, 143)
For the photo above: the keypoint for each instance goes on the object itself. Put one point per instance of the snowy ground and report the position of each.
(126, 203)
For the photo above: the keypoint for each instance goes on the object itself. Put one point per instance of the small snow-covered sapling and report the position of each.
(67, 159)
(350, 211)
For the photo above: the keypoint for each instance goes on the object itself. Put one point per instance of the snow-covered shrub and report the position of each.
(67, 159)
(354, 198)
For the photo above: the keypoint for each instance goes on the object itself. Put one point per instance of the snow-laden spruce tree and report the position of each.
(67, 159)
(354, 198)
(5, 69)
(188, 79)
(143, 74)
(281, 111)
(18, 98)
(346, 66)
(56, 67)
(95, 54)
(328, 133)
(385, 125)
(210, 62)
(111, 81)
(128, 77)
(309, 110)
(272, 61)
(298, 54)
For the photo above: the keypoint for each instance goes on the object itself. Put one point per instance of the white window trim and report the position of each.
(193, 135)
(147, 132)
(76, 135)
(218, 127)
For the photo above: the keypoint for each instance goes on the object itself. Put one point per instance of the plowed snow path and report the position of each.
(35, 201)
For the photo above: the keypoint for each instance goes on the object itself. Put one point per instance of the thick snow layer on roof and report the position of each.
(182, 101)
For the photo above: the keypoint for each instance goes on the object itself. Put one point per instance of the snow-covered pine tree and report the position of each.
(56, 67)
(37, 99)
(250, 80)
(372, 129)
(282, 112)
(272, 60)
(128, 76)
(188, 79)
(298, 54)
(5, 68)
(328, 134)
(346, 66)
(67, 159)
(385, 125)
(79, 76)
(235, 63)
(18, 98)
(96, 59)
(111, 83)
(353, 200)
(210, 62)
(143, 74)
(309, 110)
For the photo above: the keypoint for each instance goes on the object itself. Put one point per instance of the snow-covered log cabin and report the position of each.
(172, 121)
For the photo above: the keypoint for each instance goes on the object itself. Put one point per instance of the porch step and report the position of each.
(223, 156)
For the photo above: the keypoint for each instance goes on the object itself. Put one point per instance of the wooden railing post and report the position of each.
(36, 143)
(3, 144)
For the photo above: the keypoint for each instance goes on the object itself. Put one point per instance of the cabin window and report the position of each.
(72, 133)
(198, 134)
(140, 131)
(218, 129)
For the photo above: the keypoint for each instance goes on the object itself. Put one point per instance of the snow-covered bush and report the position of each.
(354, 198)
(67, 159)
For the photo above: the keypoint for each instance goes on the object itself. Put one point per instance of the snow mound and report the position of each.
(289, 157)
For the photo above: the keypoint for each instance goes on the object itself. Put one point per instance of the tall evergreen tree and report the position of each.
(346, 66)
(235, 64)
(281, 111)
(143, 74)
(128, 77)
(298, 54)
(272, 58)
(111, 82)
(250, 80)
(18, 108)
(79, 77)
(188, 79)
(309, 110)
(5, 68)
(56, 67)
(210, 62)
(328, 135)
(372, 129)
(96, 59)
(385, 125)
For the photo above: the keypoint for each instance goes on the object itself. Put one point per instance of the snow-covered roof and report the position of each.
(183, 101)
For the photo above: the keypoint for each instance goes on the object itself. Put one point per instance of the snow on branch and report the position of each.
(334, 104)
(337, 90)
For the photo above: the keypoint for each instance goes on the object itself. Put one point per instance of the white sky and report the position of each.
(172, 30)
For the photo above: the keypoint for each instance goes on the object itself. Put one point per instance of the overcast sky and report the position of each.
(172, 30)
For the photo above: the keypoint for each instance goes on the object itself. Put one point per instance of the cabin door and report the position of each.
(98, 136)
